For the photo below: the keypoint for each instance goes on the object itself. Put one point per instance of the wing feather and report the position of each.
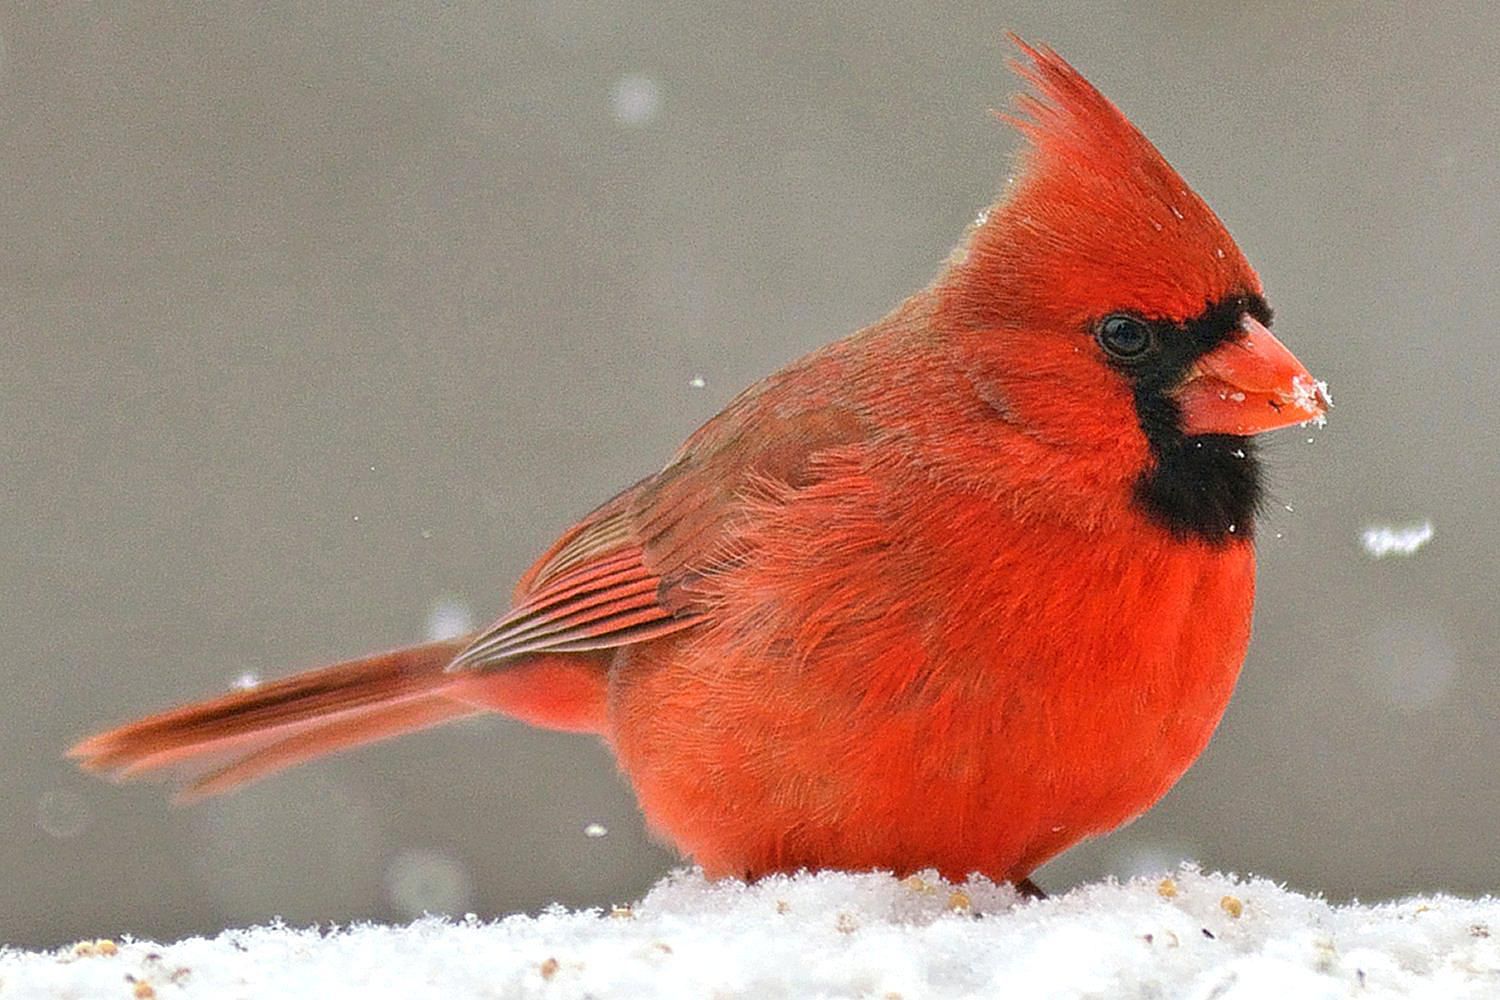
(626, 572)
(612, 601)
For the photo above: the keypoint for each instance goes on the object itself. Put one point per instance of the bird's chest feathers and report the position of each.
(1117, 625)
(959, 635)
(1012, 644)
(960, 678)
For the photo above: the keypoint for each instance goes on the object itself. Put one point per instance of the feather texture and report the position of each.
(954, 592)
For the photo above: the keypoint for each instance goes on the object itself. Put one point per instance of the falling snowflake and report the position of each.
(635, 99)
(1383, 540)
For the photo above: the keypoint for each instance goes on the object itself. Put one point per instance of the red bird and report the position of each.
(955, 592)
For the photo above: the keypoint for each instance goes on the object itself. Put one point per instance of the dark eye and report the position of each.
(1125, 337)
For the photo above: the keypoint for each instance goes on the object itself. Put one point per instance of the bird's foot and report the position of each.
(1029, 889)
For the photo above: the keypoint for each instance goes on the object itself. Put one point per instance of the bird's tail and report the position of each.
(212, 746)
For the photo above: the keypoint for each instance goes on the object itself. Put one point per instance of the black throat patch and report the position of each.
(1203, 486)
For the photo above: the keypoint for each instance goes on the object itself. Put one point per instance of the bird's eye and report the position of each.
(1125, 337)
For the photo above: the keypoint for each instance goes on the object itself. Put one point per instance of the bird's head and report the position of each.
(1105, 307)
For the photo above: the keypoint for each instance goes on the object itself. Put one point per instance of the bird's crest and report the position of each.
(1095, 219)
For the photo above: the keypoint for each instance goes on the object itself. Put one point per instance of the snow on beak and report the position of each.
(1250, 385)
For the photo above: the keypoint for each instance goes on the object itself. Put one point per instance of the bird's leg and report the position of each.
(1029, 889)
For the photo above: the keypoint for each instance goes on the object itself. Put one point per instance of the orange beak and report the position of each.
(1248, 386)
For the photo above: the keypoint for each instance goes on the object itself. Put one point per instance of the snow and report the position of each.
(62, 813)
(1383, 540)
(1192, 935)
(635, 99)
(1311, 394)
(1412, 660)
(449, 618)
(422, 881)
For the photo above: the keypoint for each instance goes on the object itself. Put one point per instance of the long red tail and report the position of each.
(212, 746)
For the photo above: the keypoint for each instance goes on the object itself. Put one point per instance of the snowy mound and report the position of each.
(831, 935)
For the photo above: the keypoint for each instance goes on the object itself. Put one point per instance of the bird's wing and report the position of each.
(600, 594)
(626, 573)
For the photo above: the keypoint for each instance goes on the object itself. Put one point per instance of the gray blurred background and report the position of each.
(317, 325)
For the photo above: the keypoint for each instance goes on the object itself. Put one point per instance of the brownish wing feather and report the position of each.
(625, 573)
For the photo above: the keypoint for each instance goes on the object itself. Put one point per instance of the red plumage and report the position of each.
(954, 592)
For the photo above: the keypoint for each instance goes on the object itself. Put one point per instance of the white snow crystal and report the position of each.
(837, 935)
(1383, 540)
(1307, 393)
(424, 881)
(1411, 661)
(62, 813)
(449, 619)
(635, 99)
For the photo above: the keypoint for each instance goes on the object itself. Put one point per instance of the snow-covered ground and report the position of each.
(831, 935)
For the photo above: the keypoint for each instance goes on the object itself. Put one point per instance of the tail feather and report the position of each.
(358, 729)
(215, 745)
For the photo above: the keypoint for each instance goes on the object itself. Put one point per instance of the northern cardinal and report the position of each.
(955, 592)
